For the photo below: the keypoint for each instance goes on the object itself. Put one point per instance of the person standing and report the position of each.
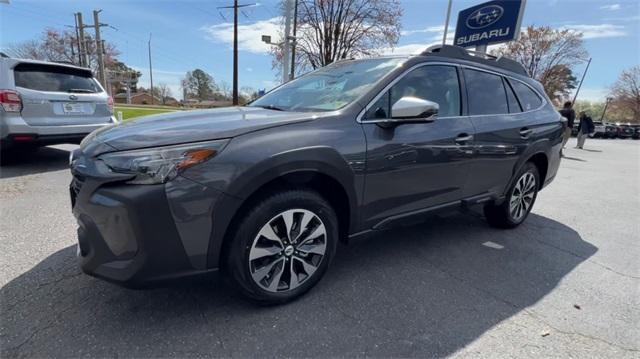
(568, 113)
(585, 127)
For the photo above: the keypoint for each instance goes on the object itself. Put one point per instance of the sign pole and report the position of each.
(446, 23)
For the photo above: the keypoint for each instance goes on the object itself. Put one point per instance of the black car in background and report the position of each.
(636, 132)
(625, 130)
(610, 130)
(264, 193)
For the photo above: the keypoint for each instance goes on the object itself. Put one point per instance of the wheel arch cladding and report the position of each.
(320, 169)
(541, 162)
(325, 185)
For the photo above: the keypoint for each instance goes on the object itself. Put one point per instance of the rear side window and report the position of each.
(528, 98)
(54, 78)
(514, 106)
(486, 93)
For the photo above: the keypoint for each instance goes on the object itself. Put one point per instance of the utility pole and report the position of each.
(285, 43)
(150, 70)
(99, 48)
(293, 41)
(75, 18)
(235, 52)
(580, 84)
(83, 44)
(235, 8)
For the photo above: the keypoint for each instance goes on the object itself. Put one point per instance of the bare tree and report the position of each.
(626, 94)
(225, 89)
(162, 91)
(55, 45)
(330, 30)
(548, 55)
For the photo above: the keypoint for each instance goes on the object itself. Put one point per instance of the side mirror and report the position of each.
(413, 109)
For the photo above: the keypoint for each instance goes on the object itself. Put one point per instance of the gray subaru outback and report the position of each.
(263, 193)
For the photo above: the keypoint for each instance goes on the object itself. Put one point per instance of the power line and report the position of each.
(235, 8)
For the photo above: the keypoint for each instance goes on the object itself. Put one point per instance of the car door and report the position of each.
(413, 166)
(503, 128)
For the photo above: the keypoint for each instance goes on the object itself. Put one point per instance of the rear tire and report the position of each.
(282, 246)
(519, 200)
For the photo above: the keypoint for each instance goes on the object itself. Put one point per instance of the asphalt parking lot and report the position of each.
(564, 284)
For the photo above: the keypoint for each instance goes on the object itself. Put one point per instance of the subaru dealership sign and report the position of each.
(489, 23)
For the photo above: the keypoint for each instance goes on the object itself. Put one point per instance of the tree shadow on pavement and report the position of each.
(421, 291)
(18, 163)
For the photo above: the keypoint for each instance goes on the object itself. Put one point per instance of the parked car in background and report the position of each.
(636, 131)
(599, 130)
(264, 192)
(46, 103)
(610, 130)
(625, 130)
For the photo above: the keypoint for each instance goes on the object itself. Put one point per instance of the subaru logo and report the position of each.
(73, 97)
(484, 16)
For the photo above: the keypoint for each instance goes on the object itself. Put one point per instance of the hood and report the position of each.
(187, 126)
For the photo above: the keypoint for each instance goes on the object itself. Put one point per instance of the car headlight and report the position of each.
(161, 164)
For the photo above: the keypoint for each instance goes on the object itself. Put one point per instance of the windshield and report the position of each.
(329, 88)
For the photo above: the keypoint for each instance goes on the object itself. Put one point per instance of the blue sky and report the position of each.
(189, 34)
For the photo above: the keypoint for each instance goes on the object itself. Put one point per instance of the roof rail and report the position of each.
(460, 53)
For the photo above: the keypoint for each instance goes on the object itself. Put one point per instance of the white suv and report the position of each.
(43, 103)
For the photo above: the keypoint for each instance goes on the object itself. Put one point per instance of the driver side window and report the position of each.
(435, 83)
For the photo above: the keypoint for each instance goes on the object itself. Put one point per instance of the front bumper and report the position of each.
(139, 235)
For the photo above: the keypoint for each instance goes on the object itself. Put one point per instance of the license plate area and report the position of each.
(72, 108)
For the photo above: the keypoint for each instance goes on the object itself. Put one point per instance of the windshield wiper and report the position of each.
(80, 90)
(270, 107)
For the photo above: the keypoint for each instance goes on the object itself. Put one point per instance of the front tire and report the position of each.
(519, 201)
(283, 246)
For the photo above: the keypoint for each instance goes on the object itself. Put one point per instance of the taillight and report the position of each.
(10, 101)
(110, 104)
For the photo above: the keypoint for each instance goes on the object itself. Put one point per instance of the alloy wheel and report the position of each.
(522, 196)
(287, 250)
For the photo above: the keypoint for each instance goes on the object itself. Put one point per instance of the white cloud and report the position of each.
(598, 31)
(249, 36)
(612, 7)
(431, 29)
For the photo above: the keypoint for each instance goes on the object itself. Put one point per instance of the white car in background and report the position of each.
(43, 103)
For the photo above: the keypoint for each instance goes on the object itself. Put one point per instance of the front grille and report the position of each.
(75, 187)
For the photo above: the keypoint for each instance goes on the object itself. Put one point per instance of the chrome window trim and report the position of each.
(452, 64)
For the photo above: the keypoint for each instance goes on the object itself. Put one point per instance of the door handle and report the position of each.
(463, 138)
(525, 132)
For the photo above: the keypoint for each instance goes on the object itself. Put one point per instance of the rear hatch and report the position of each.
(54, 95)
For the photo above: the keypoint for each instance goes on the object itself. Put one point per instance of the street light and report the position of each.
(606, 104)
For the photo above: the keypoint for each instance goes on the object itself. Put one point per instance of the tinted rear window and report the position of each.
(528, 98)
(54, 78)
(486, 93)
